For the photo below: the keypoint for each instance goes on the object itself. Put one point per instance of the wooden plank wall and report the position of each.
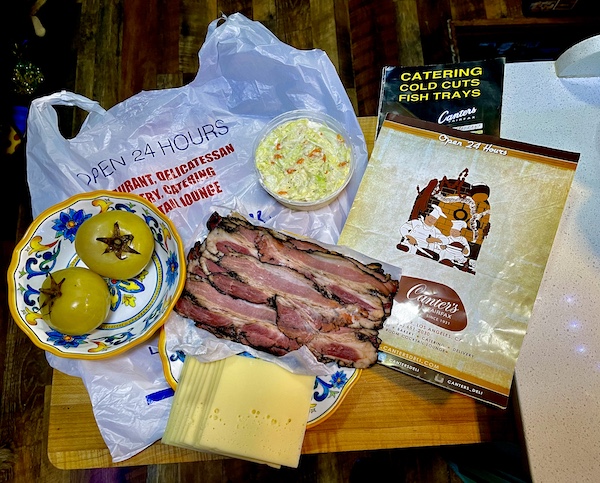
(127, 46)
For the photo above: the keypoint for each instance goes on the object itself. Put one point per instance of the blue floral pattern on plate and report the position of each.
(68, 222)
(327, 395)
(139, 306)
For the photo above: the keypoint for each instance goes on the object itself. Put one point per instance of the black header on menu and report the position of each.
(443, 380)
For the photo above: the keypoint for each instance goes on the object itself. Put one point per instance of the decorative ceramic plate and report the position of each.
(139, 306)
(327, 396)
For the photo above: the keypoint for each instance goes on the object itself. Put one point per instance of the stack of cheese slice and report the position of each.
(241, 407)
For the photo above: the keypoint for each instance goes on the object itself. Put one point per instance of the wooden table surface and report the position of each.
(384, 409)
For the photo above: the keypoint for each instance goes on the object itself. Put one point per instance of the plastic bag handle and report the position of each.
(215, 23)
(39, 108)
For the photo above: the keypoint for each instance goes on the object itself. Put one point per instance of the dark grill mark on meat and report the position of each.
(276, 293)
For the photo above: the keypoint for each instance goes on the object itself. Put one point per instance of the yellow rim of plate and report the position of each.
(345, 390)
(164, 358)
(12, 291)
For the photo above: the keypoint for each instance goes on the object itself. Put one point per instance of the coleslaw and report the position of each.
(303, 160)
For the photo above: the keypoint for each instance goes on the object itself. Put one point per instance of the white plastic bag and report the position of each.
(173, 146)
(130, 397)
(167, 145)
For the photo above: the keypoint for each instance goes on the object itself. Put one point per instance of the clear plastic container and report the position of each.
(304, 159)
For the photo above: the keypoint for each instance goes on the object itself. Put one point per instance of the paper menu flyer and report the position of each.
(464, 95)
(470, 219)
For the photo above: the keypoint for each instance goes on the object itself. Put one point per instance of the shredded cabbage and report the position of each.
(303, 160)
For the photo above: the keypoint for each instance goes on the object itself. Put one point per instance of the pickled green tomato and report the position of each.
(74, 300)
(115, 244)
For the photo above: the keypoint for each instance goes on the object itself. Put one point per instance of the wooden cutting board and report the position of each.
(384, 409)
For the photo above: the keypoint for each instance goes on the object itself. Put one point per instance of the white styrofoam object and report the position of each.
(581, 60)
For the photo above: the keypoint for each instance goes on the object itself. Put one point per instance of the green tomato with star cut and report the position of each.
(115, 244)
(74, 300)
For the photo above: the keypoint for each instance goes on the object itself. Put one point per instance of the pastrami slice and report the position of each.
(276, 293)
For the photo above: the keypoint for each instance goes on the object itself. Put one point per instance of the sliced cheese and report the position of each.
(241, 407)
(194, 397)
